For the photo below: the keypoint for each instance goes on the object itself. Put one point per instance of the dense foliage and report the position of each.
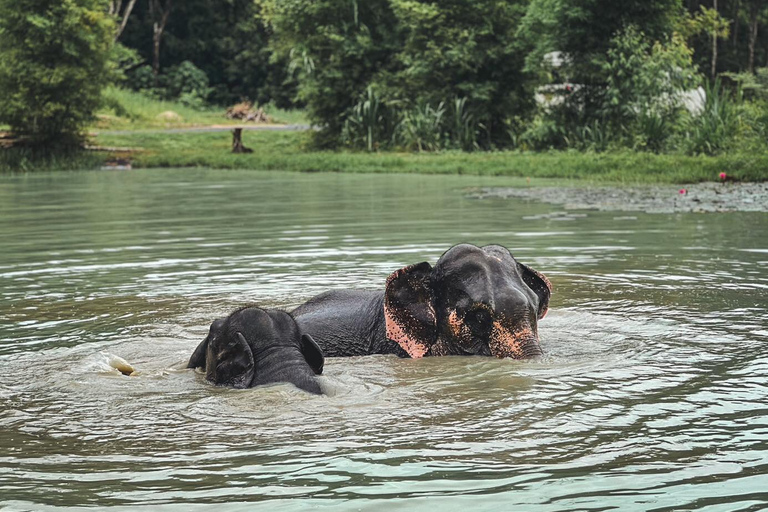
(410, 74)
(226, 40)
(459, 74)
(54, 62)
(585, 29)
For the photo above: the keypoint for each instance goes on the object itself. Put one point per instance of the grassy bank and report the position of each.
(138, 121)
(129, 110)
(25, 160)
(284, 151)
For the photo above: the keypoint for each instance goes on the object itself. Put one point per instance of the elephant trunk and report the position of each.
(519, 343)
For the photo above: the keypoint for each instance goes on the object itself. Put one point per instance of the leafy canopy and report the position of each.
(54, 62)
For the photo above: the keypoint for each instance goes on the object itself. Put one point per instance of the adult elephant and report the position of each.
(473, 301)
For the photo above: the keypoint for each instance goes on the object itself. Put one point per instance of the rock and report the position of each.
(169, 116)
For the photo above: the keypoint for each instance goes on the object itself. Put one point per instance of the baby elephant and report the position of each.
(255, 346)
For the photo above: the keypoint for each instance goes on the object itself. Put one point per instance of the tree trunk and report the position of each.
(713, 71)
(156, 35)
(159, 14)
(124, 17)
(754, 11)
(237, 142)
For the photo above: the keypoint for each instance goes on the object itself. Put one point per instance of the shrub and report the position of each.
(187, 83)
(652, 129)
(422, 128)
(464, 127)
(644, 82)
(369, 124)
(714, 128)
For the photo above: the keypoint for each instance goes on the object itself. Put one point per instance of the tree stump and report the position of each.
(237, 142)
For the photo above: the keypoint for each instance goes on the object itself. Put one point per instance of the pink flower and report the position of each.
(683, 191)
(723, 176)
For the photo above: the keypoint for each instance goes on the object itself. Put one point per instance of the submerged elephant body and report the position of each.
(255, 346)
(347, 323)
(474, 300)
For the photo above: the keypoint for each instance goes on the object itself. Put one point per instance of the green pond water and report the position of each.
(652, 394)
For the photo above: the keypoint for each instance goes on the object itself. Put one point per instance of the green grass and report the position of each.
(285, 151)
(129, 110)
(26, 160)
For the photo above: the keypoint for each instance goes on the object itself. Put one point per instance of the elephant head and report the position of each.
(254, 346)
(474, 301)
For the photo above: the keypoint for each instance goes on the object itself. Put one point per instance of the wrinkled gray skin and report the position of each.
(475, 301)
(255, 346)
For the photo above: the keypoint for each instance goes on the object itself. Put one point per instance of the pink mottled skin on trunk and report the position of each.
(455, 323)
(396, 333)
(508, 343)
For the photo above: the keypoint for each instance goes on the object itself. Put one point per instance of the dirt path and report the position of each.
(701, 197)
(213, 128)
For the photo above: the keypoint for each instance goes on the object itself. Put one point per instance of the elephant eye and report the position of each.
(479, 317)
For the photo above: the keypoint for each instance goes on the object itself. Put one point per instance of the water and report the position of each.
(652, 395)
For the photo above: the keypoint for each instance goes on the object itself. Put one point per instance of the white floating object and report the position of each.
(121, 365)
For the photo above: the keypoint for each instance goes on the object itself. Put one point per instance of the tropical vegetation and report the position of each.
(592, 76)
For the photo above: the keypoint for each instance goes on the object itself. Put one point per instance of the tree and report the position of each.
(226, 39)
(756, 10)
(710, 22)
(159, 11)
(413, 60)
(461, 50)
(583, 30)
(335, 47)
(54, 61)
(120, 14)
(645, 80)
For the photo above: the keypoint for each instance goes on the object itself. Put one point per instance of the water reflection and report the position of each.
(652, 393)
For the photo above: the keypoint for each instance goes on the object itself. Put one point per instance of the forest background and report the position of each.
(683, 78)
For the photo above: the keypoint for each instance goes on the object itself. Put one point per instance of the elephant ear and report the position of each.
(534, 279)
(312, 354)
(540, 285)
(229, 361)
(197, 360)
(409, 311)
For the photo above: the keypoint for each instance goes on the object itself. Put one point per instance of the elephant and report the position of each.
(474, 301)
(255, 346)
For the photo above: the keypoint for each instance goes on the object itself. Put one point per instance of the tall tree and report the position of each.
(709, 22)
(54, 61)
(583, 29)
(159, 11)
(335, 47)
(756, 9)
(461, 49)
(713, 68)
(120, 14)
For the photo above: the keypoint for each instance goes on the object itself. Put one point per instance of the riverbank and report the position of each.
(287, 151)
